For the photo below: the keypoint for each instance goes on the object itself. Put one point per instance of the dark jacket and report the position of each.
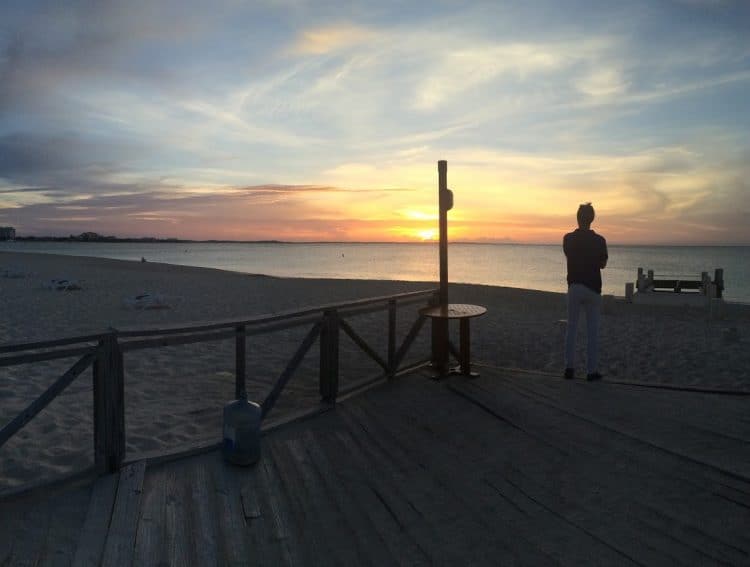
(586, 252)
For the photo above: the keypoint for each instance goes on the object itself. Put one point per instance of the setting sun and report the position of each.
(429, 234)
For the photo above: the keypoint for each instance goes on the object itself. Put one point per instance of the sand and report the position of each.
(174, 395)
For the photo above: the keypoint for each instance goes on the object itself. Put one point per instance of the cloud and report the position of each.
(293, 116)
(319, 41)
(602, 83)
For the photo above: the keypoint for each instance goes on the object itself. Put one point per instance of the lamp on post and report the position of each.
(444, 311)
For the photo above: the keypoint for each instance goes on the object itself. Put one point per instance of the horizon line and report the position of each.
(176, 240)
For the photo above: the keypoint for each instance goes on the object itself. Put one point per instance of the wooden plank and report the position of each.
(96, 525)
(62, 482)
(409, 339)
(42, 356)
(697, 499)
(334, 496)
(270, 400)
(114, 402)
(42, 528)
(175, 340)
(203, 520)
(120, 545)
(150, 548)
(663, 430)
(240, 362)
(461, 447)
(392, 312)
(231, 519)
(416, 533)
(471, 537)
(262, 546)
(637, 507)
(310, 526)
(45, 398)
(31, 524)
(49, 344)
(403, 298)
(68, 511)
(278, 514)
(178, 542)
(329, 357)
(362, 344)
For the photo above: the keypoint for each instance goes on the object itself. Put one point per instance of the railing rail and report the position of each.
(104, 352)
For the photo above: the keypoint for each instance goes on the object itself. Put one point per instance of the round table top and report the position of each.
(453, 311)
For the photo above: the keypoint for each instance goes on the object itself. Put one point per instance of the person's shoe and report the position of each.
(570, 373)
(593, 376)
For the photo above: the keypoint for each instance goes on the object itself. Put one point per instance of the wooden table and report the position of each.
(464, 313)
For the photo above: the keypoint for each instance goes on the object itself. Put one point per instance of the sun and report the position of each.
(428, 234)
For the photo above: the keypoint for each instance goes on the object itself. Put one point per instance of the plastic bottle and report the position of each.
(241, 439)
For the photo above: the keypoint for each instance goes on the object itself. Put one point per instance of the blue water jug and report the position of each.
(241, 438)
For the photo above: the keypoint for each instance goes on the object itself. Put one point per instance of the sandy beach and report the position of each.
(174, 395)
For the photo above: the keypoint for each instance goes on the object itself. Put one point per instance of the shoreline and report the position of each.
(608, 291)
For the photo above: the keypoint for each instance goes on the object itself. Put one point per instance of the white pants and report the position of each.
(579, 296)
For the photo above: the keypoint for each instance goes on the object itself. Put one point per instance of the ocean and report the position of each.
(528, 266)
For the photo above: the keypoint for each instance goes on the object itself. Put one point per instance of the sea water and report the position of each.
(528, 266)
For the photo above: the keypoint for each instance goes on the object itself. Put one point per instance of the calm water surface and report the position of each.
(515, 265)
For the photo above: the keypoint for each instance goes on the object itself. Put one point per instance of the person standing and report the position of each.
(586, 254)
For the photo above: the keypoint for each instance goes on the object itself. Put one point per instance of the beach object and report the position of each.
(676, 289)
(62, 284)
(443, 311)
(12, 273)
(241, 432)
(146, 301)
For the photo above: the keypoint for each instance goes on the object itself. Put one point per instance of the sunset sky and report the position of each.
(324, 120)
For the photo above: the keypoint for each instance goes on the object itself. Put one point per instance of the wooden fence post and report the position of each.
(391, 338)
(439, 339)
(109, 405)
(240, 391)
(329, 356)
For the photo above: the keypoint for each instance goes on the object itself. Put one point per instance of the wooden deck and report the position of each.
(510, 468)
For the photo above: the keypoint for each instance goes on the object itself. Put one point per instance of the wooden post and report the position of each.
(329, 356)
(440, 348)
(440, 326)
(719, 281)
(445, 203)
(629, 292)
(391, 338)
(109, 405)
(240, 391)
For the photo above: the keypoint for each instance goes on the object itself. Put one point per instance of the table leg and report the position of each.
(440, 346)
(465, 339)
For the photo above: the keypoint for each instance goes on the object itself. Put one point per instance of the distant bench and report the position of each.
(678, 285)
(691, 284)
(698, 283)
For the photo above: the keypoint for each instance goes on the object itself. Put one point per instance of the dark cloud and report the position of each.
(23, 156)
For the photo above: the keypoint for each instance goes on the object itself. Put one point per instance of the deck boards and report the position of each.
(511, 468)
(121, 536)
(90, 545)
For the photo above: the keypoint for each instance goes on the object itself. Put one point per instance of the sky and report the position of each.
(324, 120)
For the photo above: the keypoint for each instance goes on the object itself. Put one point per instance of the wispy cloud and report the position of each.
(318, 41)
(301, 119)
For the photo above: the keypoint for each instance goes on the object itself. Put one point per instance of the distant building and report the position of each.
(7, 233)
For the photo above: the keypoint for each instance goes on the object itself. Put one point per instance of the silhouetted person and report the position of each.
(586, 252)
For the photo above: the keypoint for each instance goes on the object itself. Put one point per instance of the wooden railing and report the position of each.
(104, 353)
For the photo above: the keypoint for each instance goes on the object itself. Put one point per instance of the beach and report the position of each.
(174, 395)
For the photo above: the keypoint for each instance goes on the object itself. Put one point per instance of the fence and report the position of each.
(105, 353)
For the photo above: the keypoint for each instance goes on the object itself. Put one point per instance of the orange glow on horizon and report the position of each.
(427, 234)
